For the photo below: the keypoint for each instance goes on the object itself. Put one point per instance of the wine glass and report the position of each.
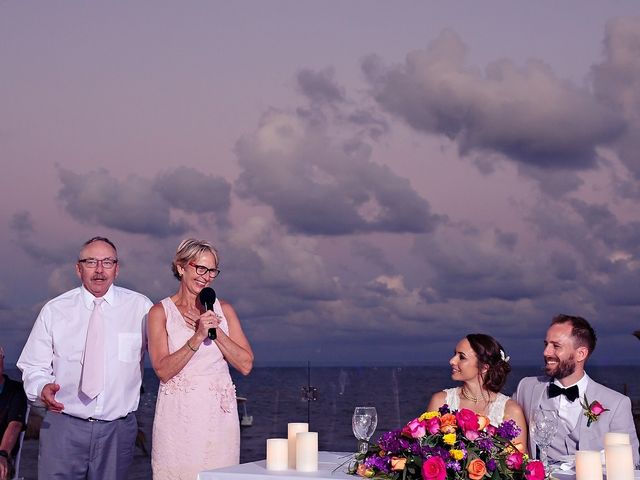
(543, 429)
(364, 423)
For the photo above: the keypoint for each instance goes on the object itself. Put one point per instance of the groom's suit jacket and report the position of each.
(532, 393)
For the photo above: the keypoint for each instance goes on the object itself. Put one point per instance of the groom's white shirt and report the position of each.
(532, 393)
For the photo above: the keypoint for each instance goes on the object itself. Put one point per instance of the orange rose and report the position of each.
(476, 469)
(448, 423)
(364, 471)
(483, 422)
(398, 463)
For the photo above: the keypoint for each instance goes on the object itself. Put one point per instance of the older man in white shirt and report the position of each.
(83, 361)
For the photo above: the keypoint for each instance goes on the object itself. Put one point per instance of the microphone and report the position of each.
(207, 298)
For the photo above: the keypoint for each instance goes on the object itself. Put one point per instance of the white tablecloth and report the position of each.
(327, 463)
(572, 476)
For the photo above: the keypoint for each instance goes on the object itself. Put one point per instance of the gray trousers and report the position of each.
(76, 449)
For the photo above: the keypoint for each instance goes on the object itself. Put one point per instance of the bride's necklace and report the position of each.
(469, 396)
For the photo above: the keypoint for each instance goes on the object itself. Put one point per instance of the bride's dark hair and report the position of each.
(491, 355)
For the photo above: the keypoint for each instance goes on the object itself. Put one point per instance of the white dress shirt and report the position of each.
(54, 351)
(569, 412)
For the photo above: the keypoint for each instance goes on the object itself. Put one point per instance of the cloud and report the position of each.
(190, 190)
(473, 266)
(139, 205)
(22, 223)
(617, 83)
(320, 185)
(525, 113)
(23, 231)
(320, 87)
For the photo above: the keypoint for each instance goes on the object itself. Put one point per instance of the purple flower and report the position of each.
(382, 464)
(455, 466)
(508, 429)
(485, 443)
(491, 465)
(393, 441)
(444, 409)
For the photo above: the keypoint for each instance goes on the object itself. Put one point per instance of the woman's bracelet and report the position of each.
(191, 348)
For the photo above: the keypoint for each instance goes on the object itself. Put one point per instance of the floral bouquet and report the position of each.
(448, 445)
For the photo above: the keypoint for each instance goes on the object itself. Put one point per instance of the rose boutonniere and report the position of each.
(592, 410)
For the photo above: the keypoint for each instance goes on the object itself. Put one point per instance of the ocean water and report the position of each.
(275, 398)
(398, 393)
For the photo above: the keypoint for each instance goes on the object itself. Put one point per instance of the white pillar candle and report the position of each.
(616, 438)
(588, 465)
(292, 430)
(307, 452)
(619, 462)
(277, 454)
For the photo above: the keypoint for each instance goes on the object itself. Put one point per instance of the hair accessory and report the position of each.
(505, 358)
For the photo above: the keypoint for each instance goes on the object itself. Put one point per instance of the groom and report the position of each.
(569, 343)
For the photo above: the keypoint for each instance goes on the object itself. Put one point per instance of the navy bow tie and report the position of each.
(571, 393)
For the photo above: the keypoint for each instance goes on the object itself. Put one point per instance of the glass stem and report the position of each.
(545, 461)
(363, 446)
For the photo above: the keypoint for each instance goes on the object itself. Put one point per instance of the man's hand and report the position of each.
(4, 468)
(48, 397)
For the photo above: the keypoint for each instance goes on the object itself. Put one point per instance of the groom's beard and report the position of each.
(562, 369)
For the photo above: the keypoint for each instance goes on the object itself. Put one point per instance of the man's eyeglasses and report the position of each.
(107, 263)
(202, 270)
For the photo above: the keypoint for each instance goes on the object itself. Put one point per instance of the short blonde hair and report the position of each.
(189, 249)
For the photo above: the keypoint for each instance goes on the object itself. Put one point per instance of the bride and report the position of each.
(481, 366)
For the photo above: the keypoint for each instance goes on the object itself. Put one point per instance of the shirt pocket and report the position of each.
(129, 347)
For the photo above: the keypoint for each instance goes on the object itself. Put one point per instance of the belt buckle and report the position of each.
(91, 419)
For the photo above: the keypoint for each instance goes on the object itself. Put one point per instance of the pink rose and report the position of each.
(491, 430)
(514, 461)
(433, 425)
(467, 419)
(471, 435)
(597, 408)
(534, 470)
(414, 429)
(434, 468)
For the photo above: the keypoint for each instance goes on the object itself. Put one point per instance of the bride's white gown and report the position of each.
(496, 411)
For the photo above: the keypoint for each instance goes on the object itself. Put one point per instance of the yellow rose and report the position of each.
(428, 415)
(449, 438)
(456, 454)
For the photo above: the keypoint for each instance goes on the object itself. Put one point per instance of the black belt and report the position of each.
(91, 419)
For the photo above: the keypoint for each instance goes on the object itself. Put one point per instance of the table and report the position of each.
(327, 463)
(572, 475)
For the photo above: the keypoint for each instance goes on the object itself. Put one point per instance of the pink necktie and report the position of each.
(93, 367)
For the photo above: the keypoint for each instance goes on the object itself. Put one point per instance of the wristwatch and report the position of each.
(4, 453)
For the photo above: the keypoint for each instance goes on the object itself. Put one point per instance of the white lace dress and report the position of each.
(496, 411)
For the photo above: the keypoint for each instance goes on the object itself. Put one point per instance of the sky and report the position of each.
(380, 178)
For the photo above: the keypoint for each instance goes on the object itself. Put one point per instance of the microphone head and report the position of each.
(207, 297)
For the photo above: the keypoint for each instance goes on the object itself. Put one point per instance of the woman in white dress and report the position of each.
(481, 366)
